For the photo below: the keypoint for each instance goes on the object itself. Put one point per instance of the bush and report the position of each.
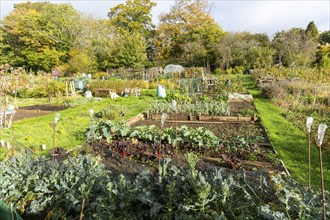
(99, 75)
(41, 91)
(116, 84)
(35, 92)
(195, 72)
(218, 71)
(111, 112)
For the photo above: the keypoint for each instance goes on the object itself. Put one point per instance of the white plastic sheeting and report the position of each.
(171, 68)
(239, 96)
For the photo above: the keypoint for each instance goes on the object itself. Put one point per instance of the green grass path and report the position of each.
(289, 141)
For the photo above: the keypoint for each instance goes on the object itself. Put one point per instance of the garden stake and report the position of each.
(318, 142)
(159, 152)
(91, 113)
(4, 111)
(176, 135)
(309, 123)
(322, 181)
(82, 209)
(53, 154)
(160, 143)
(13, 138)
(57, 118)
(309, 160)
(174, 105)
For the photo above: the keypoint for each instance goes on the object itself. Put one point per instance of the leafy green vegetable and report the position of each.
(181, 193)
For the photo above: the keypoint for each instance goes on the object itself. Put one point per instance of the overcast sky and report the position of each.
(261, 16)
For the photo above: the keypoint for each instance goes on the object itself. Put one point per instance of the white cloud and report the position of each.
(233, 15)
(271, 16)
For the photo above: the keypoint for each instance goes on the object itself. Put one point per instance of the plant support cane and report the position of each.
(174, 105)
(309, 123)
(320, 136)
(82, 209)
(160, 143)
(91, 114)
(57, 118)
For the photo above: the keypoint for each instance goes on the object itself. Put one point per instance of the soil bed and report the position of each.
(36, 111)
(130, 156)
(242, 108)
(52, 108)
(222, 130)
(132, 160)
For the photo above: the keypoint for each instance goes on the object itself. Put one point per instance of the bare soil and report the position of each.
(242, 108)
(222, 130)
(36, 111)
(131, 165)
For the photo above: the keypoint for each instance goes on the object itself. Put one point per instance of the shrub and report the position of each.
(111, 112)
(218, 71)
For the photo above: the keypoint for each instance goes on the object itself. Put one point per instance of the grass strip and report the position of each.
(289, 141)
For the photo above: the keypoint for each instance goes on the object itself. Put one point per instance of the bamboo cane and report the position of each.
(322, 181)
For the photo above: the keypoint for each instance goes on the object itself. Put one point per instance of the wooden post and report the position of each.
(4, 111)
(159, 152)
(322, 181)
(82, 209)
(309, 160)
(66, 89)
(72, 88)
(314, 101)
(176, 134)
(13, 136)
(53, 154)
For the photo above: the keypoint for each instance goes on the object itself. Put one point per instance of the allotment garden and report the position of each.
(182, 145)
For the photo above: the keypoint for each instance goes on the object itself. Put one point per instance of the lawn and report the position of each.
(70, 130)
(289, 141)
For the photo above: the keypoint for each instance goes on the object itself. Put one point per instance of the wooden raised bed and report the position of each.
(103, 92)
(135, 119)
(202, 118)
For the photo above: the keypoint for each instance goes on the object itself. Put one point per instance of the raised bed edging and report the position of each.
(206, 118)
(135, 119)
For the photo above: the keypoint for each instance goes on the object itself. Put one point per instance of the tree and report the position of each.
(323, 56)
(325, 37)
(123, 50)
(259, 57)
(244, 49)
(312, 32)
(293, 47)
(4, 50)
(187, 25)
(193, 53)
(40, 35)
(134, 16)
(82, 61)
(93, 37)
